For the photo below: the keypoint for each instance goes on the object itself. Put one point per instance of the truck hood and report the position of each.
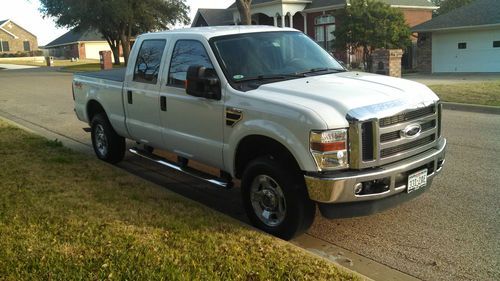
(344, 93)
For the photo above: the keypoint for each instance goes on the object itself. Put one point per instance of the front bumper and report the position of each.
(337, 191)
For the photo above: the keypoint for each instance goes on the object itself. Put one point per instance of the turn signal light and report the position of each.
(329, 149)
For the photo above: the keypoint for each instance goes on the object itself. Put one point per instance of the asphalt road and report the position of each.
(451, 232)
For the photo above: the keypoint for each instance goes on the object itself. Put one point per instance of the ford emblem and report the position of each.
(411, 131)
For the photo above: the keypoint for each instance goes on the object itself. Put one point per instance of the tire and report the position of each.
(108, 145)
(268, 186)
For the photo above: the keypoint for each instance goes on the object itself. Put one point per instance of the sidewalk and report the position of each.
(6, 66)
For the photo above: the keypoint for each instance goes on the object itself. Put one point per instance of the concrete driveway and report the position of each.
(452, 232)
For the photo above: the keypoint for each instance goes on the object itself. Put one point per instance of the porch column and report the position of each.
(304, 15)
(275, 18)
(283, 20)
(291, 20)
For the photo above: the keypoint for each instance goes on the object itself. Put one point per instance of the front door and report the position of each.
(142, 94)
(193, 126)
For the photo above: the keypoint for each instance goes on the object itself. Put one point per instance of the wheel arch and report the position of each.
(93, 108)
(253, 146)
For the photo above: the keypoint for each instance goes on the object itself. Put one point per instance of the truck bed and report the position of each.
(117, 75)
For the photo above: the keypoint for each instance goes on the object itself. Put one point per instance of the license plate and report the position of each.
(417, 180)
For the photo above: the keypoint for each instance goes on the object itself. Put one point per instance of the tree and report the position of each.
(369, 24)
(244, 7)
(117, 20)
(449, 5)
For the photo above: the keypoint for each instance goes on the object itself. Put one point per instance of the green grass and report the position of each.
(481, 93)
(57, 63)
(86, 67)
(68, 216)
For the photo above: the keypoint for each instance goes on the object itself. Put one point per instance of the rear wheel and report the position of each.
(108, 145)
(275, 198)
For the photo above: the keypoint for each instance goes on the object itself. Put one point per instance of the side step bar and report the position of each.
(186, 170)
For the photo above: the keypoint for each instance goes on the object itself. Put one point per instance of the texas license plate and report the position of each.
(417, 180)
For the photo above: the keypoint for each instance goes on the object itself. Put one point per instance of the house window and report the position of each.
(324, 26)
(4, 46)
(27, 46)
(496, 44)
(462, 45)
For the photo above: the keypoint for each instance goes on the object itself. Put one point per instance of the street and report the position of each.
(451, 232)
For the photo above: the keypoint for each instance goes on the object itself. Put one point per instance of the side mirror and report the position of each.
(203, 82)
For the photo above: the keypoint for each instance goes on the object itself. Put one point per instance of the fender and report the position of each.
(272, 130)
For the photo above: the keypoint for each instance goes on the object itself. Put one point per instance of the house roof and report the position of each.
(315, 4)
(74, 36)
(3, 22)
(477, 13)
(215, 17)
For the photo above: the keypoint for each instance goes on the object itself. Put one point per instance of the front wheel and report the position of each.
(108, 145)
(275, 198)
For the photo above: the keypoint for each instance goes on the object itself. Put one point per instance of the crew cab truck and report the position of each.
(270, 107)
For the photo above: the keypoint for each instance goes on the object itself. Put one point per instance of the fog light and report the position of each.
(358, 188)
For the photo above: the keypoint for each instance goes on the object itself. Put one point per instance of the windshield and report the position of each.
(272, 56)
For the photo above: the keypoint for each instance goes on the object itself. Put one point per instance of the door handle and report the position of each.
(163, 103)
(129, 97)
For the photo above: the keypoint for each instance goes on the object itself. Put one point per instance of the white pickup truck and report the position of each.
(270, 107)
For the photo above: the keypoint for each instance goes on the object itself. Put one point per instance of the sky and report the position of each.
(26, 14)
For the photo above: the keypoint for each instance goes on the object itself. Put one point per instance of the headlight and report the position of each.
(329, 149)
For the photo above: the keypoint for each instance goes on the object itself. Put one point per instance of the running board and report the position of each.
(186, 170)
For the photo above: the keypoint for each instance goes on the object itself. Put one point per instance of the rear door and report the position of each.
(141, 93)
(193, 125)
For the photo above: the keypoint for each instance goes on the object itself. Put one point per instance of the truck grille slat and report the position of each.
(407, 116)
(387, 152)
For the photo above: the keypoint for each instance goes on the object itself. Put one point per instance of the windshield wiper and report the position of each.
(270, 77)
(321, 70)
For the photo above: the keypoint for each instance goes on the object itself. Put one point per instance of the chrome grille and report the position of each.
(380, 141)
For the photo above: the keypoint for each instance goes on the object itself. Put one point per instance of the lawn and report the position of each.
(68, 216)
(482, 93)
(86, 67)
(36, 62)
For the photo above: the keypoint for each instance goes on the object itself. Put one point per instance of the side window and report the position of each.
(148, 61)
(186, 53)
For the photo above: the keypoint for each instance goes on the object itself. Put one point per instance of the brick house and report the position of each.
(466, 39)
(16, 39)
(78, 44)
(316, 18)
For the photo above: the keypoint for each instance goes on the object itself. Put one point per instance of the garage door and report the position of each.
(466, 51)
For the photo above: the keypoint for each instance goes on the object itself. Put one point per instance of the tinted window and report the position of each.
(26, 45)
(5, 46)
(496, 44)
(186, 53)
(462, 45)
(148, 61)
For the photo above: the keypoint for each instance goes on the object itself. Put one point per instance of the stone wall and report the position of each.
(17, 44)
(424, 52)
(387, 62)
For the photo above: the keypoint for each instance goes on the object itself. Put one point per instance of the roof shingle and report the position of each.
(73, 36)
(477, 13)
(215, 17)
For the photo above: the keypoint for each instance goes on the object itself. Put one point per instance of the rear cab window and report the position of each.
(148, 63)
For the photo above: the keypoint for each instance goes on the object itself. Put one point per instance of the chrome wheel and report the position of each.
(101, 141)
(268, 200)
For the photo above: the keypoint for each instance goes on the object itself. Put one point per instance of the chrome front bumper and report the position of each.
(339, 188)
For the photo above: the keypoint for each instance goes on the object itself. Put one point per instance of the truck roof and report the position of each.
(214, 31)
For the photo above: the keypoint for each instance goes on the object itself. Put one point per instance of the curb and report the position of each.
(472, 108)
